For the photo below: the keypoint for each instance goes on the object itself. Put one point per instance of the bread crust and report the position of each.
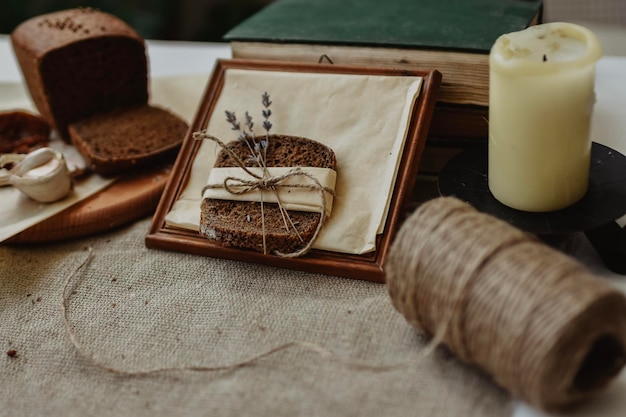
(22, 132)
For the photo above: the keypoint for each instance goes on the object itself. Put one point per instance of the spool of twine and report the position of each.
(539, 322)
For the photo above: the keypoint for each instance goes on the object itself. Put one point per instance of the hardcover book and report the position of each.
(452, 36)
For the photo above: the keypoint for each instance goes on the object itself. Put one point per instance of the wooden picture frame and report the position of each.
(369, 266)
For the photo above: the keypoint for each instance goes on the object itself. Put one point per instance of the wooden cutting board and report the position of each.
(129, 198)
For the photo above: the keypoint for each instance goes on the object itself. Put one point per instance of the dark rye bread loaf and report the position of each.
(80, 62)
(128, 138)
(239, 224)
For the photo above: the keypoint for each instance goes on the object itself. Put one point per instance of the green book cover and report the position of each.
(468, 25)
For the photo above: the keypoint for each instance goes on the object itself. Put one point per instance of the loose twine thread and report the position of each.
(266, 182)
(72, 283)
(534, 319)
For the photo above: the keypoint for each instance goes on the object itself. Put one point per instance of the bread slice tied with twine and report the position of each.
(266, 226)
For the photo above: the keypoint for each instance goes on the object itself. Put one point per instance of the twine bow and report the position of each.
(267, 182)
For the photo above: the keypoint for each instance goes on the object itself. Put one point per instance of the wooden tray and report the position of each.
(367, 267)
(128, 199)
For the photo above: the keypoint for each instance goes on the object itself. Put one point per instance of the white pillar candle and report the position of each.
(541, 98)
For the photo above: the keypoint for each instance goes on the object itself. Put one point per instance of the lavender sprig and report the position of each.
(246, 134)
(232, 119)
(249, 123)
(267, 125)
(265, 99)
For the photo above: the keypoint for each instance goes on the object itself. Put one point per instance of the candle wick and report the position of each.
(545, 57)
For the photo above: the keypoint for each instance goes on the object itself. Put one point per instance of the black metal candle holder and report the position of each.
(466, 177)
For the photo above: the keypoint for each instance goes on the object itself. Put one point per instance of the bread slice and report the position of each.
(128, 138)
(80, 62)
(239, 224)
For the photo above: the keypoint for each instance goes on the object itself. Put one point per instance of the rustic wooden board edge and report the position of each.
(129, 198)
(366, 267)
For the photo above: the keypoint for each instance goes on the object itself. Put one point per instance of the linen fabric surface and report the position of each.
(137, 309)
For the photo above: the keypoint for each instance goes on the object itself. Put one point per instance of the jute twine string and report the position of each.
(536, 320)
(237, 186)
(74, 280)
(69, 289)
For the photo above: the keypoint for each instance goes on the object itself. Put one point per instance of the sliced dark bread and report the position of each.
(128, 138)
(80, 62)
(239, 224)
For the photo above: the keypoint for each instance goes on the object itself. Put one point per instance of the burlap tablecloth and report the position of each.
(137, 309)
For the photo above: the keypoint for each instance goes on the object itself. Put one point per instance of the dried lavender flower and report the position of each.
(249, 123)
(230, 116)
(232, 119)
(247, 136)
(265, 99)
(267, 125)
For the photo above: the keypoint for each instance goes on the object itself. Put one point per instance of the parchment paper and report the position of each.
(363, 118)
(291, 198)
